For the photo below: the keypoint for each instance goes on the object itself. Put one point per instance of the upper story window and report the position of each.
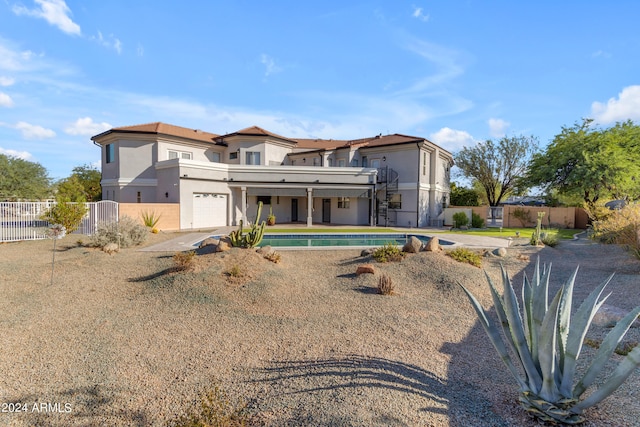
(174, 154)
(375, 163)
(233, 155)
(316, 161)
(215, 157)
(354, 162)
(424, 163)
(110, 150)
(252, 158)
(342, 162)
(330, 161)
(365, 162)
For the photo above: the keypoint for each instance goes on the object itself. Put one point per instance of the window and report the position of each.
(293, 162)
(365, 162)
(329, 161)
(375, 163)
(139, 197)
(252, 158)
(233, 155)
(173, 154)
(424, 163)
(354, 162)
(215, 157)
(266, 200)
(110, 153)
(395, 202)
(343, 203)
(316, 161)
(342, 163)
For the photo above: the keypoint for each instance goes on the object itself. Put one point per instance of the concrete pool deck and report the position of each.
(186, 241)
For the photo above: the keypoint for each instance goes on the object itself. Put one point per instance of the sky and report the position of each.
(454, 72)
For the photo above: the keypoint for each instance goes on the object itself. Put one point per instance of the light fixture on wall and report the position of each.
(166, 195)
(304, 160)
(384, 158)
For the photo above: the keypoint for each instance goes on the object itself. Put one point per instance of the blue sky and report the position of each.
(455, 72)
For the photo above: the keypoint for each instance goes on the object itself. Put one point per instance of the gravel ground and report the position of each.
(124, 340)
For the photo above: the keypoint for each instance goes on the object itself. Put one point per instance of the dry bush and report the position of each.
(621, 227)
(273, 257)
(388, 252)
(216, 410)
(184, 260)
(385, 285)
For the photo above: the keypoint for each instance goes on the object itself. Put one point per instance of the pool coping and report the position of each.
(186, 242)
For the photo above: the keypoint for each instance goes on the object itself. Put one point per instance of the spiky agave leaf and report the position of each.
(547, 351)
(606, 349)
(564, 324)
(495, 338)
(581, 321)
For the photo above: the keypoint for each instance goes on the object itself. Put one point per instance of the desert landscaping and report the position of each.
(126, 339)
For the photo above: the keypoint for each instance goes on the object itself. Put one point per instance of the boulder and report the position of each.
(433, 245)
(500, 252)
(365, 269)
(209, 241)
(111, 248)
(223, 246)
(265, 250)
(367, 252)
(413, 245)
(608, 315)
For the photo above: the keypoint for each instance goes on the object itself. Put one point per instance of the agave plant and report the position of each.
(546, 342)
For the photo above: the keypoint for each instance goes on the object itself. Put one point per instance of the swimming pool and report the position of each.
(310, 240)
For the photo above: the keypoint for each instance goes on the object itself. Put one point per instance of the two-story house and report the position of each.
(219, 179)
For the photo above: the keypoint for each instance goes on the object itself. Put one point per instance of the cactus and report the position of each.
(546, 342)
(253, 237)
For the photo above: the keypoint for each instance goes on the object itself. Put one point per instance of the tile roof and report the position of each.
(167, 129)
(257, 131)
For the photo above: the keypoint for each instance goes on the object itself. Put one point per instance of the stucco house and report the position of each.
(394, 179)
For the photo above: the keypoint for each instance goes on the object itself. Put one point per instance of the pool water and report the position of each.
(348, 240)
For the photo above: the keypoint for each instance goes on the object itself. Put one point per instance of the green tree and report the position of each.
(71, 189)
(590, 164)
(461, 196)
(22, 179)
(498, 167)
(89, 177)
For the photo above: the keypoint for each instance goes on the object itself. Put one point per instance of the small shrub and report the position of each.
(549, 238)
(235, 272)
(388, 252)
(273, 257)
(523, 215)
(150, 219)
(467, 256)
(621, 227)
(125, 233)
(460, 219)
(476, 221)
(66, 214)
(216, 410)
(184, 260)
(385, 285)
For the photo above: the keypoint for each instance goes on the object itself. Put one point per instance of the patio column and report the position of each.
(243, 203)
(372, 208)
(309, 207)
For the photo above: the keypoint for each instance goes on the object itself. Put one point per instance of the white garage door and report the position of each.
(209, 210)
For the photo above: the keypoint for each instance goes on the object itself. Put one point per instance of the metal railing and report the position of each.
(22, 220)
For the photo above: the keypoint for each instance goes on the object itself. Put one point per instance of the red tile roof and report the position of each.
(257, 131)
(166, 129)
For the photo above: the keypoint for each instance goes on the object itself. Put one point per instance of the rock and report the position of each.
(413, 245)
(433, 245)
(223, 246)
(111, 248)
(367, 252)
(501, 252)
(265, 250)
(209, 241)
(523, 257)
(608, 315)
(365, 269)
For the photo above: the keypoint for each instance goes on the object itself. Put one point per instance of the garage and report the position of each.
(209, 210)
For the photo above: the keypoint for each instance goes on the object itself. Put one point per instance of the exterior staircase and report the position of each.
(387, 187)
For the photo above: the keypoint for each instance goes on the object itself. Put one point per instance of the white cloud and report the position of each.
(86, 126)
(55, 12)
(451, 139)
(25, 155)
(626, 107)
(111, 43)
(6, 81)
(600, 54)
(270, 65)
(5, 100)
(419, 14)
(498, 127)
(30, 131)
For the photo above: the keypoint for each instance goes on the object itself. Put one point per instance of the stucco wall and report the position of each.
(169, 213)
